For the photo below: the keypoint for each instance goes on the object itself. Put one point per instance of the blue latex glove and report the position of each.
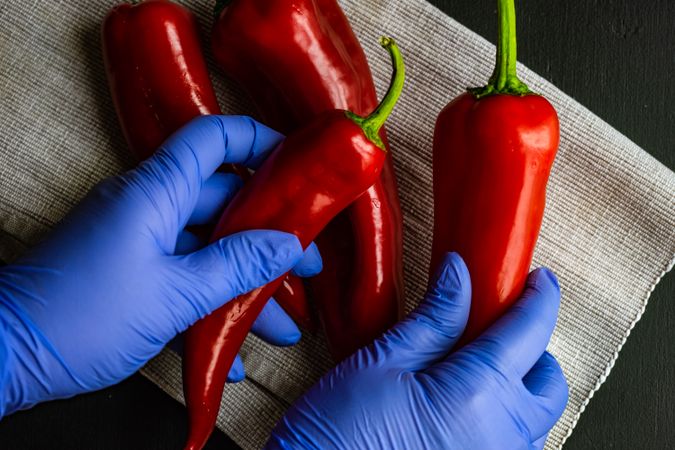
(119, 277)
(408, 390)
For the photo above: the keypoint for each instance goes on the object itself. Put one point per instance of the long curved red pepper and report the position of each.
(493, 151)
(159, 81)
(297, 59)
(314, 174)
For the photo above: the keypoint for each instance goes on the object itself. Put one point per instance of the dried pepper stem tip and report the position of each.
(372, 124)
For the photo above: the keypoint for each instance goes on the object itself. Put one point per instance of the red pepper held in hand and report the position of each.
(159, 82)
(493, 151)
(314, 174)
(296, 60)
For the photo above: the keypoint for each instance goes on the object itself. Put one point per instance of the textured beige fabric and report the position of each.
(609, 231)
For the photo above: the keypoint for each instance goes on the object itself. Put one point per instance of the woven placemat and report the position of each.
(609, 230)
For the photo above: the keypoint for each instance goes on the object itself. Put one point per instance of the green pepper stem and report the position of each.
(504, 79)
(372, 124)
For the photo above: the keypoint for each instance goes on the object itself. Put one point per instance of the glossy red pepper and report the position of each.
(159, 81)
(297, 59)
(493, 151)
(156, 71)
(314, 174)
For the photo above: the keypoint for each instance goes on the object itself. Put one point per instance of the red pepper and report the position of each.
(292, 298)
(314, 174)
(296, 60)
(493, 151)
(159, 82)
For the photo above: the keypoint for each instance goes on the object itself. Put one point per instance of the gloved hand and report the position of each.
(409, 390)
(118, 277)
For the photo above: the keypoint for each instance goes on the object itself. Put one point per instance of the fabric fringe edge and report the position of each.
(603, 376)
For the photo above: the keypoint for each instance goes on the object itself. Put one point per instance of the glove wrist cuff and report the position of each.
(4, 367)
(11, 388)
(27, 365)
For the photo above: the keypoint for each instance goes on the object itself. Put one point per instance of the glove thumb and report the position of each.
(433, 328)
(233, 266)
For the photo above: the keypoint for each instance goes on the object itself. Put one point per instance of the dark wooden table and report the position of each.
(615, 57)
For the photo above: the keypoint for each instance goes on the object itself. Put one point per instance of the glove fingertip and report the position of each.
(275, 327)
(433, 328)
(257, 257)
(543, 278)
(311, 263)
(237, 372)
(541, 298)
(222, 186)
(265, 139)
(283, 250)
(547, 382)
(451, 281)
(461, 270)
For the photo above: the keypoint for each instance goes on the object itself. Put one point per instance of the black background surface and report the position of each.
(615, 57)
